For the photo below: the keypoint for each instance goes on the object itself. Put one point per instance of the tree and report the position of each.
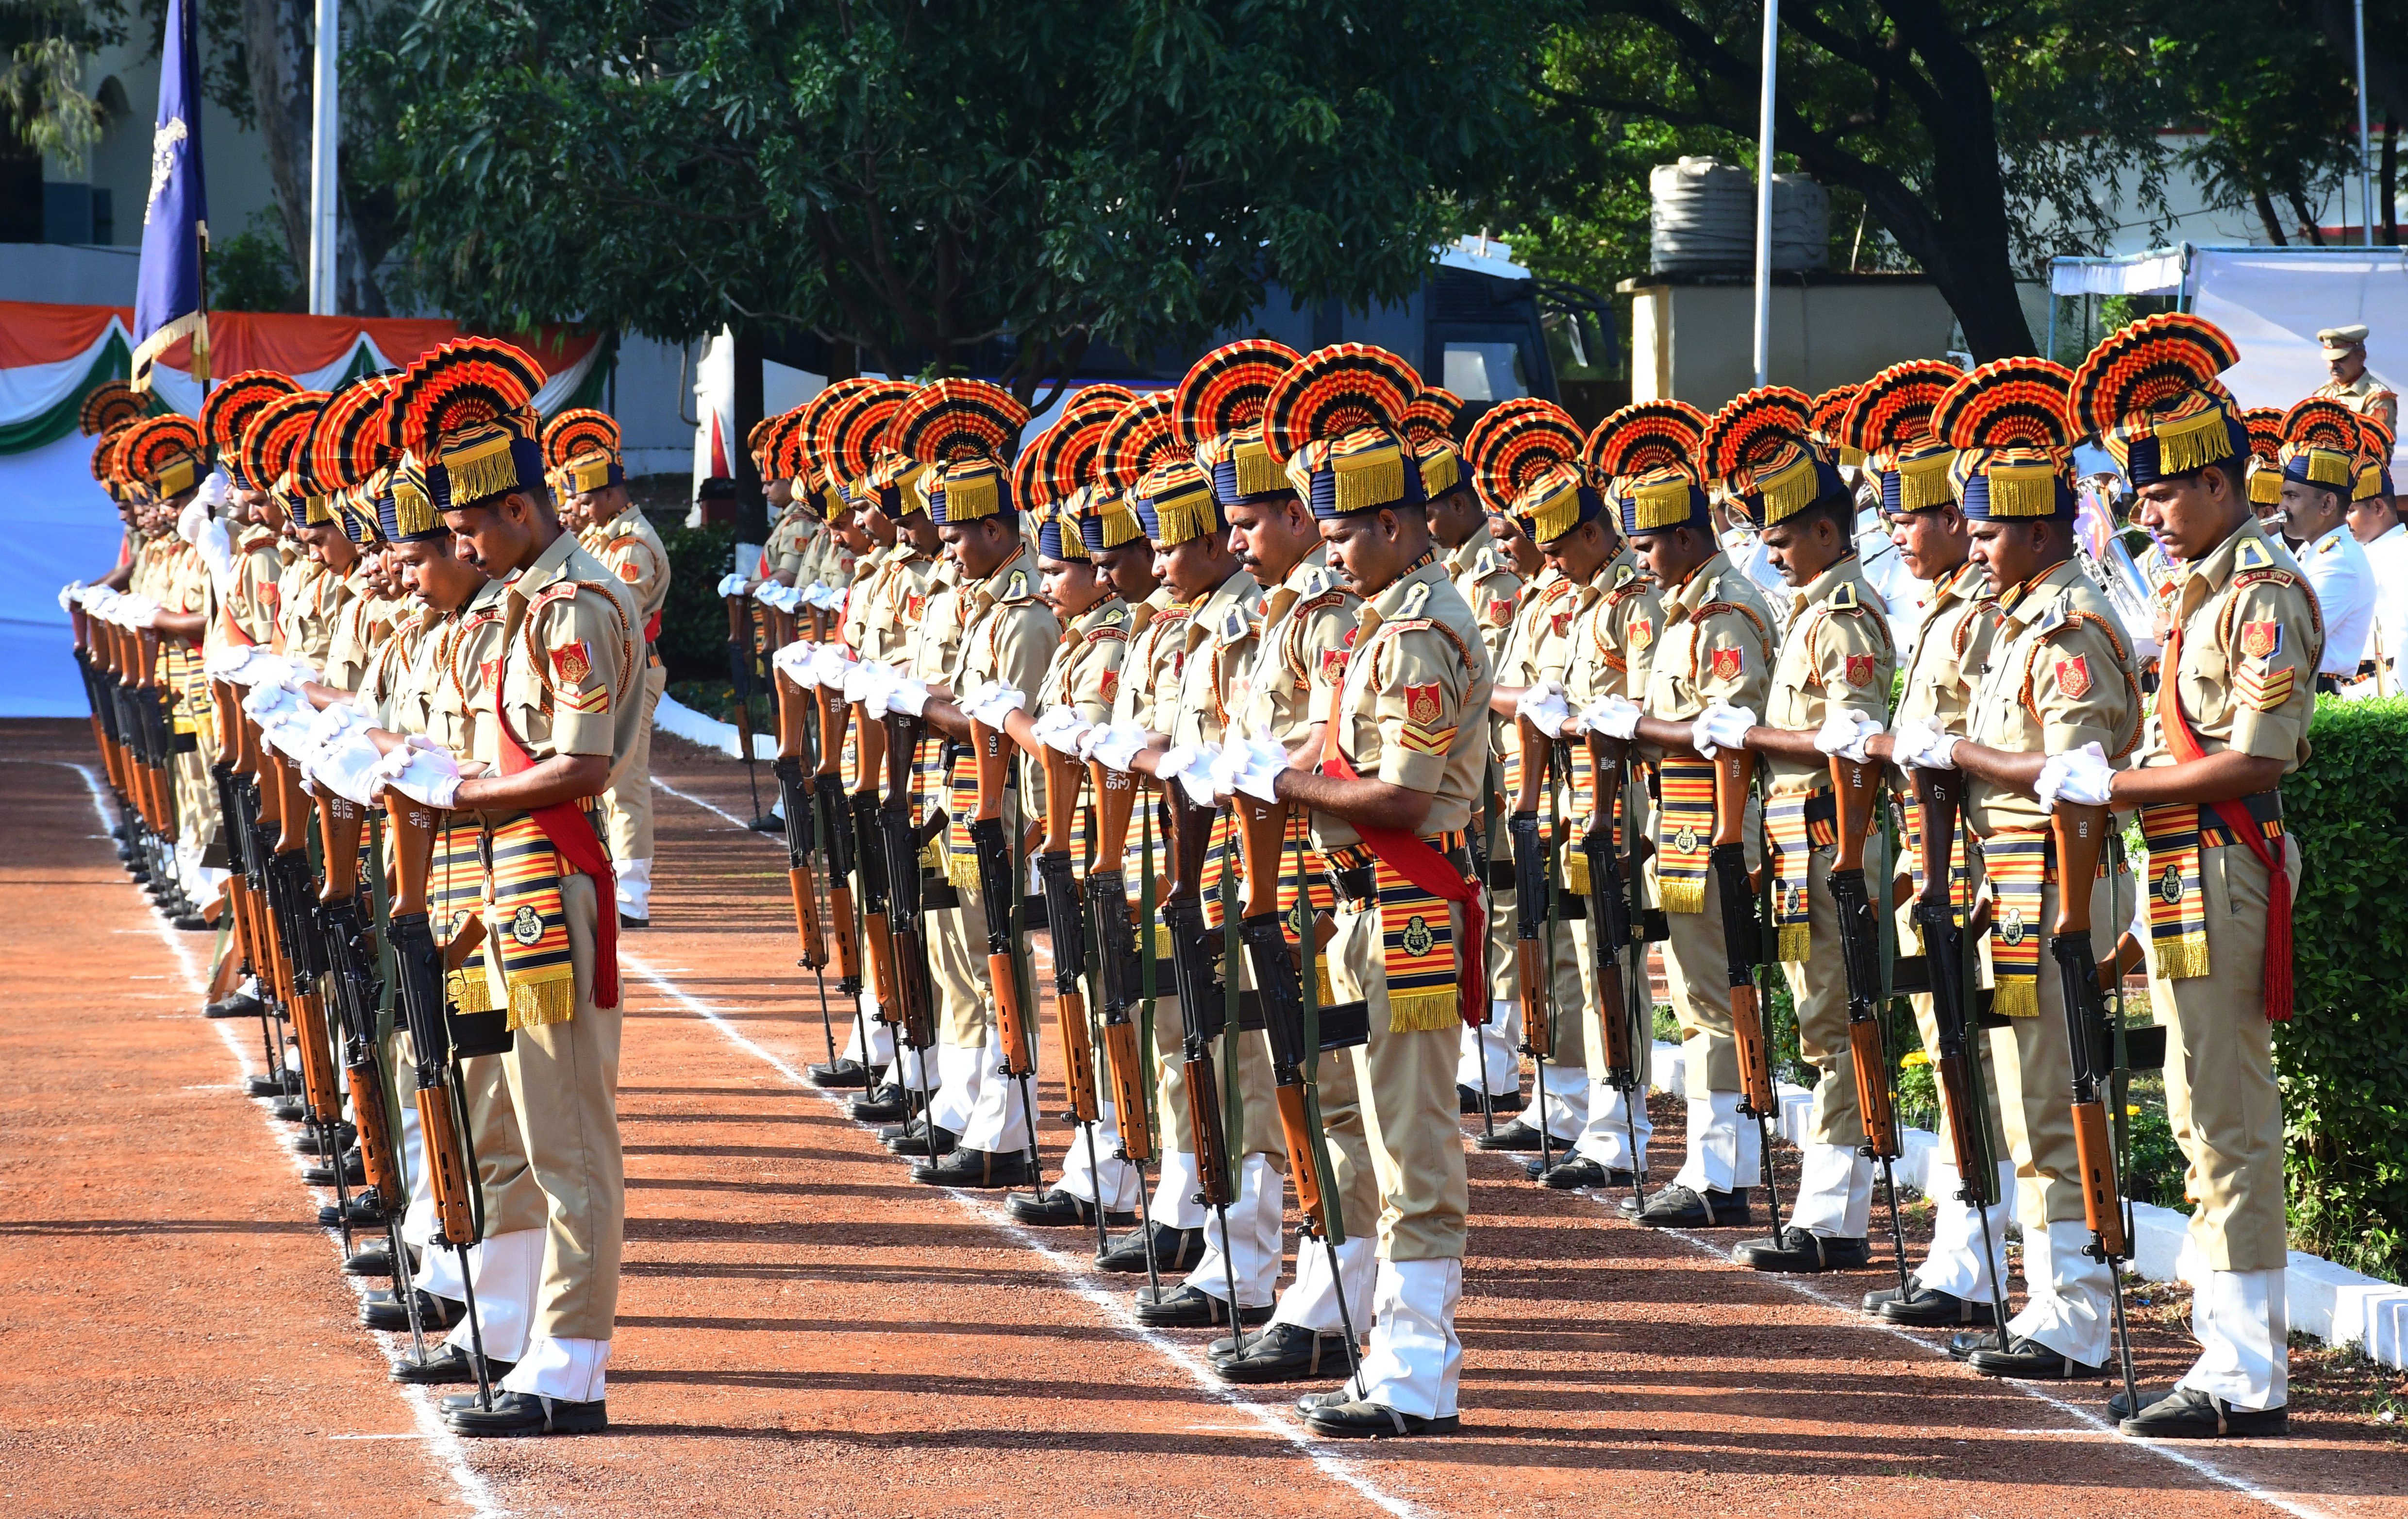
(1981, 135)
(2260, 77)
(44, 44)
(930, 183)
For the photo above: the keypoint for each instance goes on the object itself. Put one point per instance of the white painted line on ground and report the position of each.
(472, 1488)
(1110, 1304)
(690, 797)
(2091, 1425)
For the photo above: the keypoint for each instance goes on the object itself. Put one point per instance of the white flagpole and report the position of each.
(326, 147)
(1764, 197)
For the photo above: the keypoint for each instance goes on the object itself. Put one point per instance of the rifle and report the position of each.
(1116, 951)
(999, 894)
(304, 946)
(261, 805)
(1610, 901)
(905, 927)
(1853, 788)
(1482, 844)
(1066, 924)
(341, 822)
(444, 1135)
(796, 801)
(1534, 961)
(832, 811)
(1743, 950)
(1959, 1067)
(743, 661)
(1291, 1021)
(245, 878)
(2081, 835)
(869, 832)
(1203, 1010)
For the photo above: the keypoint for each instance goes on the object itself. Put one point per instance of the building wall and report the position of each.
(1697, 342)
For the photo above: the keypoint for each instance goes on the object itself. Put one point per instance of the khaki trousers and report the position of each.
(2220, 1091)
(1259, 1132)
(512, 1198)
(1818, 986)
(627, 805)
(2032, 1063)
(1927, 1023)
(562, 1081)
(1406, 1085)
(957, 940)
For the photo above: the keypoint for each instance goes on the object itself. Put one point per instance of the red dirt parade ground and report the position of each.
(804, 1330)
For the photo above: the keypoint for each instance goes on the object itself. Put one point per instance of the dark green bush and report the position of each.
(2343, 1059)
(694, 624)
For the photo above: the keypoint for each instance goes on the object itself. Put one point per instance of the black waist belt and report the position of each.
(1823, 807)
(2265, 810)
(1501, 874)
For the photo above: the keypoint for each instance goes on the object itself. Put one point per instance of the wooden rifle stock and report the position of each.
(446, 1165)
(2081, 835)
(1065, 779)
(1610, 919)
(1734, 771)
(740, 664)
(1534, 976)
(1116, 793)
(1262, 835)
(1855, 792)
(990, 753)
(341, 822)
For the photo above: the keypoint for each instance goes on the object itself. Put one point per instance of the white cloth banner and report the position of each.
(60, 527)
(2273, 301)
(2153, 276)
(34, 388)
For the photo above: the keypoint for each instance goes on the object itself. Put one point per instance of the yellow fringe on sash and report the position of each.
(1422, 1012)
(1576, 873)
(537, 1002)
(1795, 944)
(1682, 895)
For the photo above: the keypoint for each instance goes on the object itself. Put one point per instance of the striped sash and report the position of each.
(2018, 866)
(455, 893)
(1685, 831)
(2178, 900)
(531, 923)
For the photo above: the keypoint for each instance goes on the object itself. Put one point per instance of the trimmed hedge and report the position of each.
(2343, 1059)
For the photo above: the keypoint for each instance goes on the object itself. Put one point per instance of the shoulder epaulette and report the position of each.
(2251, 555)
(1317, 580)
(1623, 575)
(1845, 598)
(2051, 618)
(1483, 564)
(1116, 618)
(1415, 599)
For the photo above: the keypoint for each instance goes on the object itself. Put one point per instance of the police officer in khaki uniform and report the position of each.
(1713, 647)
(1489, 582)
(1947, 650)
(565, 716)
(2227, 726)
(1836, 656)
(2060, 675)
(1400, 764)
(1617, 614)
(2344, 352)
(582, 446)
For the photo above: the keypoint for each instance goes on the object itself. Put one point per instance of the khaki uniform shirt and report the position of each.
(463, 654)
(1489, 585)
(251, 598)
(1952, 643)
(571, 674)
(1009, 633)
(1416, 685)
(629, 549)
(890, 602)
(1616, 620)
(1307, 624)
(2060, 674)
(359, 629)
(310, 610)
(1150, 671)
(792, 544)
(1837, 655)
(2365, 394)
(1217, 650)
(1716, 640)
(2251, 640)
(1085, 672)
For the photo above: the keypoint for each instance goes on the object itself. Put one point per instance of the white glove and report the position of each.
(1117, 746)
(224, 661)
(189, 520)
(826, 598)
(1192, 765)
(348, 767)
(1544, 707)
(1060, 729)
(71, 595)
(993, 700)
(217, 552)
(794, 662)
(137, 611)
(1720, 727)
(1617, 717)
(1252, 766)
(1923, 747)
(731, 585)
(901, 693)
(1844, 732)
(830, 666)
(422, 771)
(98, 600)
(863, 681)
(2078, 778)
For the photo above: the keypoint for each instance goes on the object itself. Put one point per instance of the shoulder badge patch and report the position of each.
(1860, 669)
(630, 571)
(2074, 676)
(1234, 627)
(1640, 632)
(1317, 580)
(1115, 617)
(1500, 611)
(1483, 564)
(571, 663)
(1111, 684)
(1560, 622)
(1623, 575)
(1729, 664)
(1423, 705)
(2261, 640)
(1017, 587)
(2252, 554)
(1415, 598)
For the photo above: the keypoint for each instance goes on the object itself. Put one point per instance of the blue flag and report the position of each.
(168, 299)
